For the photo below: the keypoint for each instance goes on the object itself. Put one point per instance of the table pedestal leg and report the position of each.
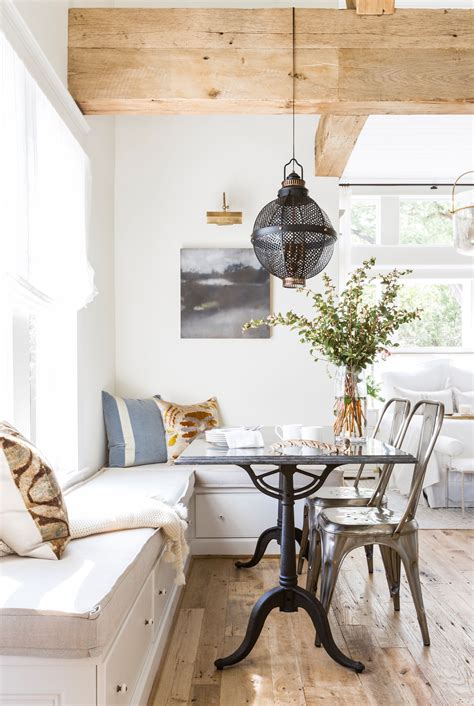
(288, 596)
(266, 537)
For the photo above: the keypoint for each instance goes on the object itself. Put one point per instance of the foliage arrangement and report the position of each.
(350, 329)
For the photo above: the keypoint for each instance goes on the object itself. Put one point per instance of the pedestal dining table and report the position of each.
(289, 461)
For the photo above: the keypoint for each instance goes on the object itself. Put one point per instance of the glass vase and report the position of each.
(350, 408)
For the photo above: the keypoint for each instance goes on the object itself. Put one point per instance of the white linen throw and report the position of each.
(148, 512)
(122, 515)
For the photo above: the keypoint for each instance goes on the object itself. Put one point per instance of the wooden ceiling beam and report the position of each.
(212, 60)
(375, 7)
(336, 136)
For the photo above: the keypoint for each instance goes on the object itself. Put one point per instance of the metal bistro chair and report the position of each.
(343, 529)
(350, 496)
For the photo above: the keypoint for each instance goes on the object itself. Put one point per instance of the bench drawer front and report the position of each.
(234, 514)
(125, 660)
(164, 576)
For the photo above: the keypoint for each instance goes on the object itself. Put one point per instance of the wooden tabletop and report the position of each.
(199, 452)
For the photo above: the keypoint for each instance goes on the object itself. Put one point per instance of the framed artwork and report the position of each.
(221, 289)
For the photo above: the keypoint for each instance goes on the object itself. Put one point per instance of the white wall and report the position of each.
(47, 19)
(168, 172)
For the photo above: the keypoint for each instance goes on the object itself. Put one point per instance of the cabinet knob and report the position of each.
(162, 592)
(122, 688)
(221, 517)
(149, 621)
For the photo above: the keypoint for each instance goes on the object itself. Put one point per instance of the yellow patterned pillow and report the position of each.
(183, 422)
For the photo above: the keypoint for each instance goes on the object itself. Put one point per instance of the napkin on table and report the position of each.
(244, 439)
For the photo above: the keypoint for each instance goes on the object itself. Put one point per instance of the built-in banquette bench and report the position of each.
(91, 628)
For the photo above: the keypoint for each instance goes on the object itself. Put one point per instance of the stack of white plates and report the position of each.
(217, 436)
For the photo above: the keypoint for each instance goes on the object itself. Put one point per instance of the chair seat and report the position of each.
(367, 520)
(334, 497)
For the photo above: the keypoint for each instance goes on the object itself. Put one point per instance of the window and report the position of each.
(44, 273)
(411, 228)
(425, 221)
(441, 323)
(364, 220)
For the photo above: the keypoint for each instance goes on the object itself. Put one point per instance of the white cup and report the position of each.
(465, 409)
(311, 433)
(288, 431)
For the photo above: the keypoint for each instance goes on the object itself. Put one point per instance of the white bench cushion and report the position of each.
(73, 607)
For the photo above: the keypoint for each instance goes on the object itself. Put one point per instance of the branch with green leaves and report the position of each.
(353, 328)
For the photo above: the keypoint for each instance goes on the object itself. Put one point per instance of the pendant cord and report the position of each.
(293, 77)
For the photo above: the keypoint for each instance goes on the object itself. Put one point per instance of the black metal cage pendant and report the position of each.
(292, 236)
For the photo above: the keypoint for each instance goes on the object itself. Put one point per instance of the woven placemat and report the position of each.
(344, 448)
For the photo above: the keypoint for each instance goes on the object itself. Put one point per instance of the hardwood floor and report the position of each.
(286, 668)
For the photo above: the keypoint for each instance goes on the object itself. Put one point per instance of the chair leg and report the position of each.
(392, 564)
(333, 551)
(369, 553)
(304, 539)
(462, 494)
(409, 553)
(314, 562)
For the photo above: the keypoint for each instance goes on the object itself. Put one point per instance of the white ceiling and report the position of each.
(412, 149)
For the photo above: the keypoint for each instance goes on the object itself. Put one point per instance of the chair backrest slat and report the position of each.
(433, 413)
(432, 419)
(401, 409)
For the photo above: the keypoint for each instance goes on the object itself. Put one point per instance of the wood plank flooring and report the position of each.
(285, 668)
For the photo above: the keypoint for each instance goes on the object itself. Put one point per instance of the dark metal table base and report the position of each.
(262, 543)
(288, 596)
(266, 537)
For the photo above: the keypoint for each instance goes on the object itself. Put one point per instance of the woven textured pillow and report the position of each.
(135, 431)
(184, 422)
(33, 515)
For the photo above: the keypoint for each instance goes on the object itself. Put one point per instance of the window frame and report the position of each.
(436, 263)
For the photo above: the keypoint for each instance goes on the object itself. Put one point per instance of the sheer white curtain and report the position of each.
(45, 276)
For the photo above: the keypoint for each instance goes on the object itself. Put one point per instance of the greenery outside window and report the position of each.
(407, 226)
(425, 221)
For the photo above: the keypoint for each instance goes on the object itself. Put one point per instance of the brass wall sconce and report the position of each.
(224, 217)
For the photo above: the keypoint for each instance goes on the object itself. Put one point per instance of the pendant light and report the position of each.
(292, 237)
(463, 217)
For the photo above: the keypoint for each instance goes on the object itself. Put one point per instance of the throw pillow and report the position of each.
(33, 516)
(430, 375)
(444, 396)
(463, 398)
(184, 422)
(135, 431)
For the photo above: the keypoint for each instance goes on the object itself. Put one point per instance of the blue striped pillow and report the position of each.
(135, 431)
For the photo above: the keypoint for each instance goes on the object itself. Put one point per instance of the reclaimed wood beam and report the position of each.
(336, 136)
(211, 60)
(375, 7)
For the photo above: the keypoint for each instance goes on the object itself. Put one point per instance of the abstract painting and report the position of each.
(221, 289)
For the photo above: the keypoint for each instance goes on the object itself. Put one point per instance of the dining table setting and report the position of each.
(287, 463)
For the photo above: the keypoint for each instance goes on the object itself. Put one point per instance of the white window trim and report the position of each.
(422, 259)
(25, 45)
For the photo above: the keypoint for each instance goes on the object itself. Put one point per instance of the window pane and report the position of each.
(441, 321)
(363, 221)
(425, 222)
